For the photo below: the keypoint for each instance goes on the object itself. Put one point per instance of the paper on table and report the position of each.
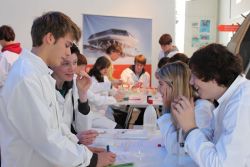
(132, 134)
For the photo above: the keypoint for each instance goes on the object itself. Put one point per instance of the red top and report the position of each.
(15, 47)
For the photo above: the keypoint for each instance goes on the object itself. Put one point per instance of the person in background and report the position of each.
(217, 74)
(99, 94)
(177, 57)
(9, 53)
(168, 50)
(174, 82)
(30, 119)
(135, 75)
(113, 52)
(71, 95)
(81, 63)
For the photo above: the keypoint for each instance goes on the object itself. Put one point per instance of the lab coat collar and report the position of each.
(228, 93)
(41, 65)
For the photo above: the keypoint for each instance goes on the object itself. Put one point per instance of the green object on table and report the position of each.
(130, 164)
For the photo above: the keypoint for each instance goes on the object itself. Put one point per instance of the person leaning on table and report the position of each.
(217, 74)
(30, 120)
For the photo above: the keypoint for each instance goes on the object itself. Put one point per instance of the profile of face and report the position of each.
(138, 68)
(166, 48)
(67, 69)
(58, 50)
(104, 71)
(165, 90)
(81, 68)
(205, 90)
(115, 55)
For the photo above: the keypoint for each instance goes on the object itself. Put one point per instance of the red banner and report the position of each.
(228, 28)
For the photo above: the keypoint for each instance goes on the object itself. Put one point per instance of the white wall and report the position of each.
(20, 15)
(197, 10)
(229, 13)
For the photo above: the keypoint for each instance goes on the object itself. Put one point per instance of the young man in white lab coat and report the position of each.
(217, 74)
(135, 75)
(31, 126)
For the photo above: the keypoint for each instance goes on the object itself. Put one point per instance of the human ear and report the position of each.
(49, 38)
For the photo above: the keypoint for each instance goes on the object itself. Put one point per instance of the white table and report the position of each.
(142, 152)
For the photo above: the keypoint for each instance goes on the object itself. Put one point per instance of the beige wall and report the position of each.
(197, 10)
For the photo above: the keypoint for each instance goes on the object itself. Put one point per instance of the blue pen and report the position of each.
(107, 147)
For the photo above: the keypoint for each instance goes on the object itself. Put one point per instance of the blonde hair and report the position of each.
(177, 76)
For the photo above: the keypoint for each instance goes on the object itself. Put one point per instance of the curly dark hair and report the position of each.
(216, 62)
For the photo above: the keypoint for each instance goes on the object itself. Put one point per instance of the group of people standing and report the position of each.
(47, 99)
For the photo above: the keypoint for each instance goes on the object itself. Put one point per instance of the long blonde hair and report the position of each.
(177, 76)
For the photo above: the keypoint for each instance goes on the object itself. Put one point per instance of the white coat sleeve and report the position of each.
(168, 132)
(204, 116)
(4, 69)
(145, 79)
(100, 100)
(124, 76)
(96, 97)
(231, 148)
(35, 115)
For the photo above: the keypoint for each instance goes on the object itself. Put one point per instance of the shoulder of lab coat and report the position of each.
(98, 93)
(37, 112)
(229, 145)
(161, 55)
(129, 76)
(168, 133)
(203, 116)
(7, 59)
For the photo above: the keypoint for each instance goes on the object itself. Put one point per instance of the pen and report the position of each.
(130, 164)
(134, 99)
(107, 147)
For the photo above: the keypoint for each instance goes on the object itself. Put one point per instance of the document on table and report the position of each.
(123, 134)
(132, 134)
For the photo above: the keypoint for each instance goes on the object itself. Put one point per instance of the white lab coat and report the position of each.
(33, 133)
(173, 51)
(228, 144)
(131, 78)
(99, 101)
(203, 118)
(82, 122)
(7, 59)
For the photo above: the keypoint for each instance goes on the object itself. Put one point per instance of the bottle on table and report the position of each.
(150, 117)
